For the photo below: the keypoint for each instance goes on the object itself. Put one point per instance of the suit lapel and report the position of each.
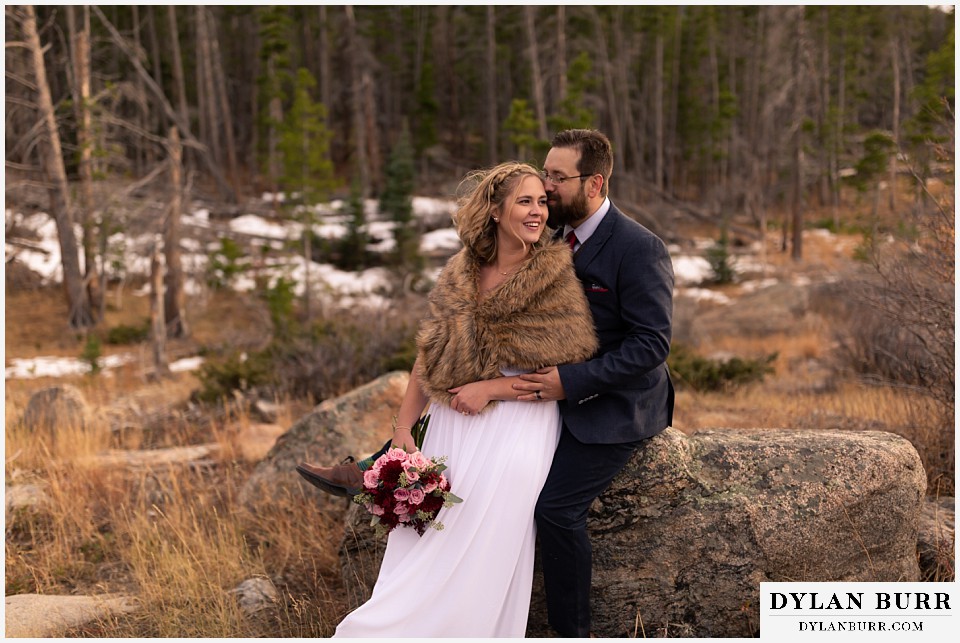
(588, 251)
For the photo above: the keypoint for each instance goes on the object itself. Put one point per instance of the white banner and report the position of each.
(858, 611)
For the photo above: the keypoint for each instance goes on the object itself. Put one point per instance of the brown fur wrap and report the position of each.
(539, 316)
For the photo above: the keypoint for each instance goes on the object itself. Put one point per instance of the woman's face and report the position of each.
(524, 214)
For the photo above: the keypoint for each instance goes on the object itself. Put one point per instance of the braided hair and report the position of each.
(484, 193)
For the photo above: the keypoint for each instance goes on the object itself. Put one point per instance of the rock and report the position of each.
(55, 408)
(39, 615)
(196, 454)
(23, 497)
(689, 529)
(762, 313)
(935, 540)
(265, 411)
(254, 441)
(356, 423)
(255, 595)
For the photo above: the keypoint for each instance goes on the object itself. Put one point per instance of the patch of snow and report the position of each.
(747, 264)
(186, 364)
(255, 225)
(690, 270)
(760, 284)
(443, 239)
(703, 294)
(26, 369)
(270, 197)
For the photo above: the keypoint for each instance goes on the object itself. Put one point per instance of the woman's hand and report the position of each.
(469, 399)
(403, 439)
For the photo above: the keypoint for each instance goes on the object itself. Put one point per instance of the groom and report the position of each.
(609, 404)
(620, 397)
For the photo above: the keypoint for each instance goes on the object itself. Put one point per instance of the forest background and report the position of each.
(736, 123)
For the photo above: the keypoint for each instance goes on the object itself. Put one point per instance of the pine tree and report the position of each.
(396, 201)
(521, 125)
(307, 169)
(572, 112)
(352, 248)
(305, 144)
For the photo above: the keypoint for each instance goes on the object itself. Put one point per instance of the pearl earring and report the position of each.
(496, 220)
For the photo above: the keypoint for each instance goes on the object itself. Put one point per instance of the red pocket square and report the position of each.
(596, 288)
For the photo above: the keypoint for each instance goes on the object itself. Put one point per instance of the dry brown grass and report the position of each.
(794, 398)
(173, 536)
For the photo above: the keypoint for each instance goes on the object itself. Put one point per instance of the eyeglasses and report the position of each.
(559, 179)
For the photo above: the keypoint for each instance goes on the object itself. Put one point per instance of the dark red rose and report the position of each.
(390, 474)
(432, 503)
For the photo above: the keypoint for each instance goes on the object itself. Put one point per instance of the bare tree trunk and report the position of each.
(220, 85)
(80, 315)
(307, 259)
(174, 311)
(156, 313)
(155, 116)
(372, 131)
(624, 47)
(80, 39)
(838, 139)
(895, 58)
(184, 126)
(796, 252)
(491, 83)
(713, 176)
(759, 136)
(325, 80)
(536, 77)
(658, 98)
(616, 135)
(252, 157)
(275, 108)
(561, 53)
(356, 94)
(178, 78)
(139, 154)
(674, 115)
(206, 94)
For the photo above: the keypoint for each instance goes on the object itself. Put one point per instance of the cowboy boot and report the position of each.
(344, 479)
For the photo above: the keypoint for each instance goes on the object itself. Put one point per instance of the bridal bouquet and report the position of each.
(406, 489)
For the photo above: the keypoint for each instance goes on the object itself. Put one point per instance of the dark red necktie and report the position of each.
(572, 239)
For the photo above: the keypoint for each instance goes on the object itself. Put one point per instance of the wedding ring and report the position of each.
(539, 397)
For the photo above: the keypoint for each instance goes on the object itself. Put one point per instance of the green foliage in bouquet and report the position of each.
(419, 430)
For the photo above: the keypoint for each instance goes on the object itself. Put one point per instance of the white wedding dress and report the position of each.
(473, 578)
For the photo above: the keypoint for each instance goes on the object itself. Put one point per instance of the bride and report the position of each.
(507, 303)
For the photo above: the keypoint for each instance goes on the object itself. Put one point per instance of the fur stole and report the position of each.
(538, 317)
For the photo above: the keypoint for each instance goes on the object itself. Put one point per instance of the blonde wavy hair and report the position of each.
(483, 194)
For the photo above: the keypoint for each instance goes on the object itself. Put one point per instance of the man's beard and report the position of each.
(567, 213)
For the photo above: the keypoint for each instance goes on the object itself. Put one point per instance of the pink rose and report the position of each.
(430, 487)
(420, 461)
(396, 454)
(376, 510)
(401, 509)
(403, 518)
(416, 496)
(371, 478)
(401, 494)
(412, 474)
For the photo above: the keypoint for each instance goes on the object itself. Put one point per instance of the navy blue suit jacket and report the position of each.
(624, 392)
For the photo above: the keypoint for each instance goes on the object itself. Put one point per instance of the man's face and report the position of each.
(566, 200)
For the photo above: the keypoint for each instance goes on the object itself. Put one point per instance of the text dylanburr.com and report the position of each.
(906, 611)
